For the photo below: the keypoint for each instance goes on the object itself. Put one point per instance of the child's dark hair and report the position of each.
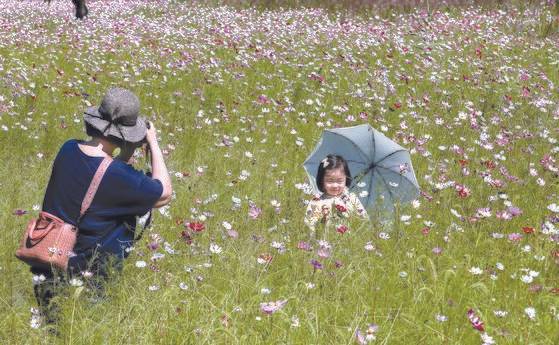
(332, 162)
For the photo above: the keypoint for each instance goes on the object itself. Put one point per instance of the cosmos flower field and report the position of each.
(240, 98)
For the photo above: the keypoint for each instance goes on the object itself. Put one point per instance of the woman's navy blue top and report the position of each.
(108, 225)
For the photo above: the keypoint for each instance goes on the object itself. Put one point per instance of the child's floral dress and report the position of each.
(334, 211)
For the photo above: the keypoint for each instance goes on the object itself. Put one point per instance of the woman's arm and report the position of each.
(158, 167)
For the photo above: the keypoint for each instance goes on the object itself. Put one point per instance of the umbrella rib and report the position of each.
(388, 155)
(374, 143)
(354, 161)
(401, 176)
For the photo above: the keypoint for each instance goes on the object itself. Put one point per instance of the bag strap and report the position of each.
(92, 190)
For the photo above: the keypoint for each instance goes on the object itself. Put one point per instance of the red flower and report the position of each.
(341, 208)
(463, 191)
(425, 230)
(265, 257)
(490, 164)
(196, 226)
(475, 321)
(528, 229)
(342, 229)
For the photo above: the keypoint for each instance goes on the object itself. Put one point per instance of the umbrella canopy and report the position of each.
(381, 169)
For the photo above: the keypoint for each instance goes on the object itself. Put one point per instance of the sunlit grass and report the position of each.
(417, 286)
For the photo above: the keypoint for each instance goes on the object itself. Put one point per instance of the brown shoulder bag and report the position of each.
(49, 241)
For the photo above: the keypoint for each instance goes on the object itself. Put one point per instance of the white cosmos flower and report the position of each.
(36, 319)
(215, 249)
(500, 313)
(475, 270)
(455, 213)
(76, 282)
(384, 236)
(530, 312)
(487, 339)
(553, 208)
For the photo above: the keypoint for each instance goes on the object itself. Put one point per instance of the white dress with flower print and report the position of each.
(334, 210)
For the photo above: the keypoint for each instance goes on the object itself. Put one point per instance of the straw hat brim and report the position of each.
(131, 134)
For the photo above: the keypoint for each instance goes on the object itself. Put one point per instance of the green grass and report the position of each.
(221, 304)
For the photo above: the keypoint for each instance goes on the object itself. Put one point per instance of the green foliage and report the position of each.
(404, 285)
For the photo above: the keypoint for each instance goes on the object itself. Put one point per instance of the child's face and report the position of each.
(334, 181)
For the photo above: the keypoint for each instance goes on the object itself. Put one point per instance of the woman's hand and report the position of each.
(158, 167)
(151, 134)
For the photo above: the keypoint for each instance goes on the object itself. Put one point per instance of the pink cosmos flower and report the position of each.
(437, 250)
(304, 246)
(503, 215)
(20, 212)
(254, 211)
(323, 252)
(271, 307)
(514, 211)
(515, 237)
(367, 336)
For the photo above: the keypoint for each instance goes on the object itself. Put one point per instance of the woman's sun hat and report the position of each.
(118, 116)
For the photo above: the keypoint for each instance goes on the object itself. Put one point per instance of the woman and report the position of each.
(106, 230)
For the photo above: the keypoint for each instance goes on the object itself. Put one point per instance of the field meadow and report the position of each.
(240, 97)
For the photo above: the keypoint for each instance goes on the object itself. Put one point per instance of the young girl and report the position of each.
(336, 204)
